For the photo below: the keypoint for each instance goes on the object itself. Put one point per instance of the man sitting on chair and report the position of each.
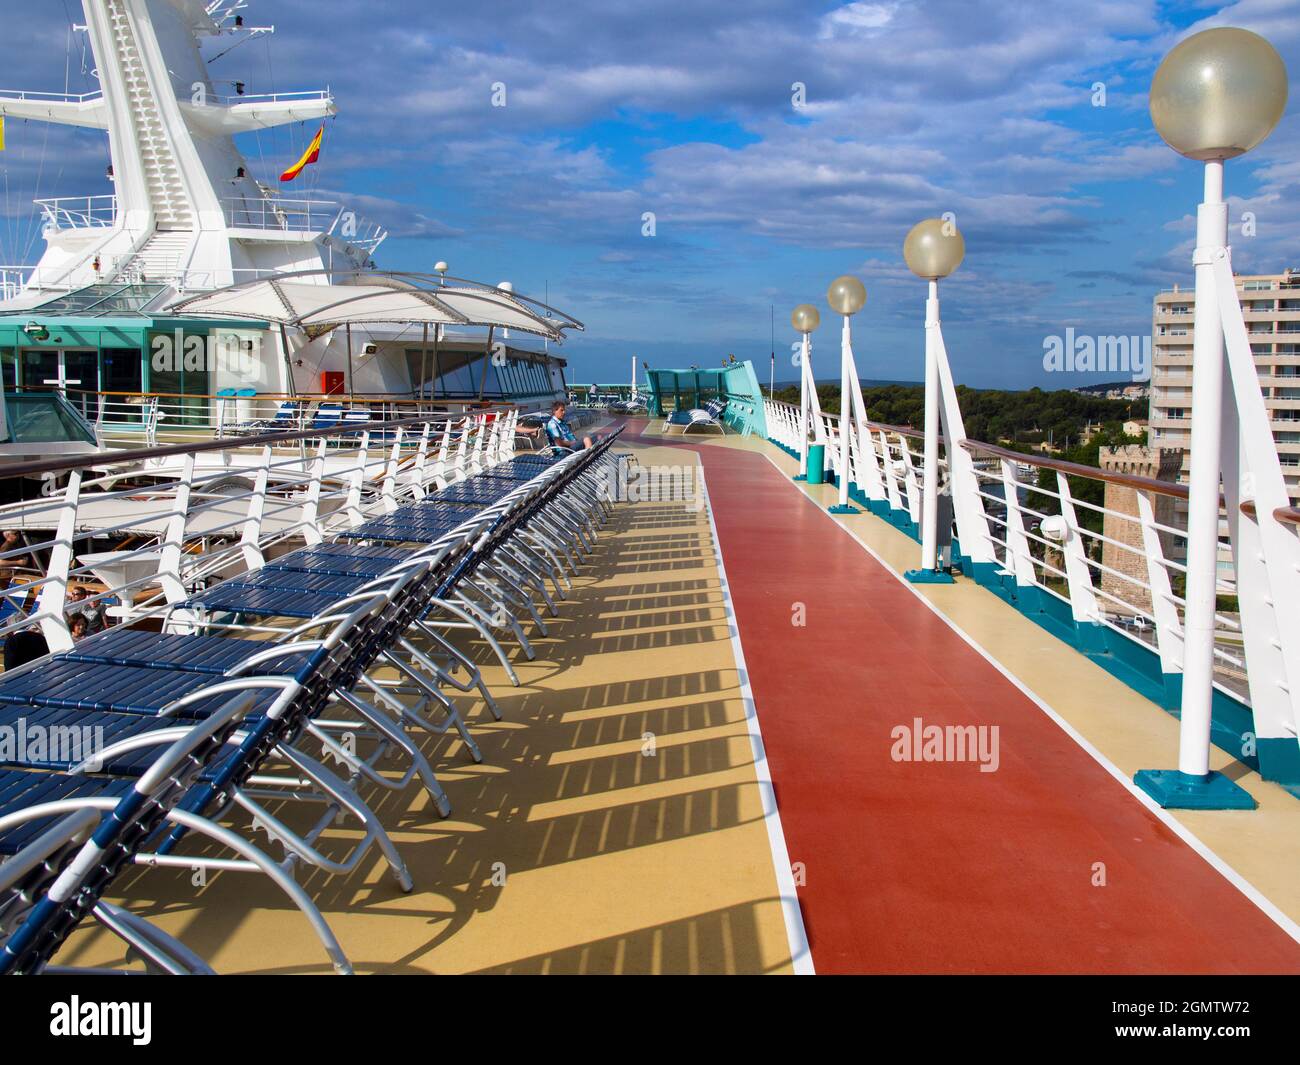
(559, 433)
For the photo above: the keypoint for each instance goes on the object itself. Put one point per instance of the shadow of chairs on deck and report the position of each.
(568, 778)
(719, 942)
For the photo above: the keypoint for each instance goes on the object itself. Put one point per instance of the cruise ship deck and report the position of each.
(701, 772)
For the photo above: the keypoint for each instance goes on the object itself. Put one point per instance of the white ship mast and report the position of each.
(186, 211)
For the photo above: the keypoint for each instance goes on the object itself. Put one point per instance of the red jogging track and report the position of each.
(932, 867)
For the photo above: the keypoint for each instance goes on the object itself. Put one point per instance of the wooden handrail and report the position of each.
(308, 397)
(1077, 469)
(1290, 515)
(901, 430)
(114, 458)
(1072, 469)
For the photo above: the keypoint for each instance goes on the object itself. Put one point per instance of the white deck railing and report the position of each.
(135, 419)
(79, 212)
(176, 518)
(1117, 567)
(305, 96)
(280, 214)
(304, 215)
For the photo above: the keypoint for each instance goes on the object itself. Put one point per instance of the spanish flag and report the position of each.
(309, 156)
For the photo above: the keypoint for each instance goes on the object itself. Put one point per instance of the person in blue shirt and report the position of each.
(559, 432)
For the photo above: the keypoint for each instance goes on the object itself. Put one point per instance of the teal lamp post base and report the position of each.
(843, 508)
(928, 576)
(1181, 791)
(801, 477)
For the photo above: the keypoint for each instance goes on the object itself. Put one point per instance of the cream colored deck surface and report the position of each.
(613, 861)
(1133, 733)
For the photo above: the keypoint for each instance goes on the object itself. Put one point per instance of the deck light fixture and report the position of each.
(1216, 95)
(1054, 527)
(805, 318)
(934, 248)
(847, 295)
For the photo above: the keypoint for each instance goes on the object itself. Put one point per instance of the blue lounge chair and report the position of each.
(327, 416)
(367, 618)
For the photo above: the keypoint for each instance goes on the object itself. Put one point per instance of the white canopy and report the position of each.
(318, 303)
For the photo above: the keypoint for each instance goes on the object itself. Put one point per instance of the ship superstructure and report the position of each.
(188, 215)
(186, 209)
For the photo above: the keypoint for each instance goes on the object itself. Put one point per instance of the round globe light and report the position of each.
(1218, 93)
(934, 248)
(506, 286)
(440, 267)
(1054, 527)
(805, 318)
(847, 295)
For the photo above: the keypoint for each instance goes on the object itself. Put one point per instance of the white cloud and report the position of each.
(857, 19)
(914, 107)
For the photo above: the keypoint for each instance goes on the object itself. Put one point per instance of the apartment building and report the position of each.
(1271, 306)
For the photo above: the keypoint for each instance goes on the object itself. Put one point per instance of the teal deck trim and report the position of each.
(1178, 791)
(89, 332)
(737, 383)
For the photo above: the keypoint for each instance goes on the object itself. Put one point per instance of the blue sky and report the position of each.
(1074, 215)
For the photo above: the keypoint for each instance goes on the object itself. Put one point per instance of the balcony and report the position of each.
(316, 96)
(271, 213)
(78, 212)
(303, 216)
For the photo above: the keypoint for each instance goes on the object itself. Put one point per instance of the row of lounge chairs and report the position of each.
(293, 414)
(233, 711)
(709, 418)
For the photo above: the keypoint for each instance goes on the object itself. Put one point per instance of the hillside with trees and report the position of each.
(1032, 417)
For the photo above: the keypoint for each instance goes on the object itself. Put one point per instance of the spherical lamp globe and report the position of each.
(847, 295)
(1218, 93)
(805, 318)
(934, 248)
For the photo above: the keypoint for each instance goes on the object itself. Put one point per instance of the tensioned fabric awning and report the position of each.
(318, 301)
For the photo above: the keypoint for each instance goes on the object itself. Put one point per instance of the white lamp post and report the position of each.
(847, 295)
(1216, 95)
(934, 248)
(805, 319)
